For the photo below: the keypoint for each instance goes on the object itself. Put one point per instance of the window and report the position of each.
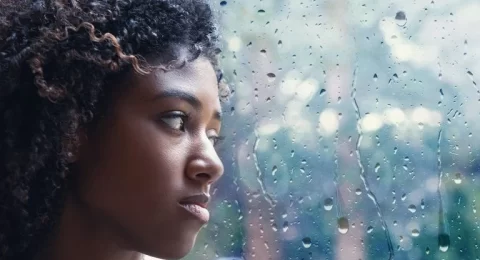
(353, 131)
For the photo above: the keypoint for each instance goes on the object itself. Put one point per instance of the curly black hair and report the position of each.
(57, 58)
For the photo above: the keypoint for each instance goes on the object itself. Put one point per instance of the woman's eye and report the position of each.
(216, 140)
(175, 121)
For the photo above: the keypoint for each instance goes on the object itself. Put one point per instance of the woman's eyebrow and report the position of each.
(176, 93)
(187, 97)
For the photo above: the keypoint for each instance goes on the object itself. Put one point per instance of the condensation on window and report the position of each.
(352, 132)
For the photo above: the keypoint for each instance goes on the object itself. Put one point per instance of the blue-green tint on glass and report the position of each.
(352, 132)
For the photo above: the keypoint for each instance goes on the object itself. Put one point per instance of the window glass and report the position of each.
(352, 132)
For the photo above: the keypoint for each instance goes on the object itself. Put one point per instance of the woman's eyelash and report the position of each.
(175, 115)
(217, 140)
(167, 119)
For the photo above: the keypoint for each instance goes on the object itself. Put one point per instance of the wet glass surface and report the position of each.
(352, 132)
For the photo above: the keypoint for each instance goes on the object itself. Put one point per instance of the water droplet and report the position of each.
(271, 77)
(261, 11)
(358, 191)
(300, 200)
(280, 43)
(307, 242)
(343, 225)
(285, 226)
(274, 170)
(328, 204)
(375, 77)
(412, 208)
(427, 250)
(458, 178)
(401, 18)
(274, 227)
(377, 167)
(404, 196)
(415, 233)
(421, 126)
(369, 229)
(322, 92)
(443, 242)
(223, 3)
(422, 204)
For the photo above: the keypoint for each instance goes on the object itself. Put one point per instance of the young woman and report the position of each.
(109, 113)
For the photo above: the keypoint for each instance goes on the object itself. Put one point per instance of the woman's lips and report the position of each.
(198, 211)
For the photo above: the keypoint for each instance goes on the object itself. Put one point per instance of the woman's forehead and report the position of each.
(197, 78)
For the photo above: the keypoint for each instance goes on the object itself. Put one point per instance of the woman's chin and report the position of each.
(177, 250)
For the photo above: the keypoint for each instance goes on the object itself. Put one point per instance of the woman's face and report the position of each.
(147, 158)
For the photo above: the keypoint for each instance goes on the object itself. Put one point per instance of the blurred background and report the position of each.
(352, 132)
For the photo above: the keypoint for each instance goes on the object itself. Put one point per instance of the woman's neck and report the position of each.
(80, 235)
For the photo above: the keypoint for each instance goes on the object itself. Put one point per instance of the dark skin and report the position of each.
(153, 148)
